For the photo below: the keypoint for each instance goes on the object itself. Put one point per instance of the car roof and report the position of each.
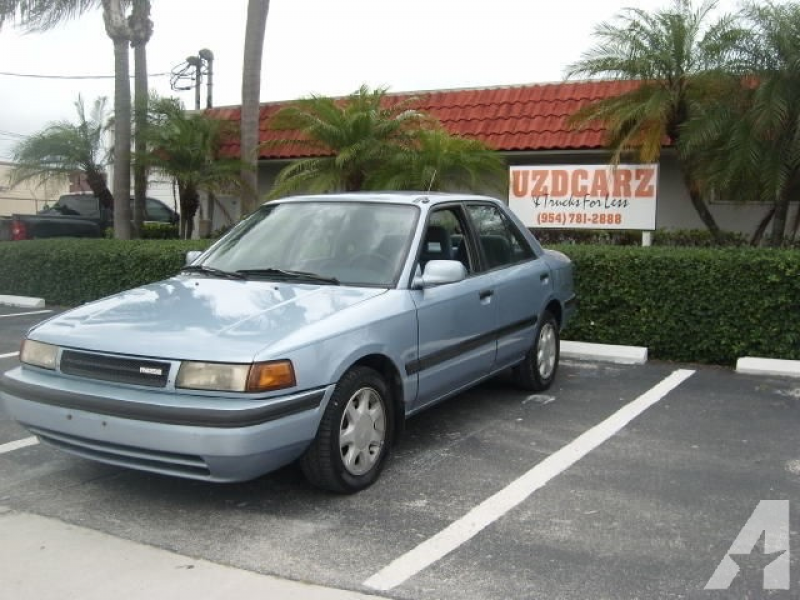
(415, 198)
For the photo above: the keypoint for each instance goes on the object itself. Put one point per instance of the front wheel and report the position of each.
(354, 436)
(538, 370)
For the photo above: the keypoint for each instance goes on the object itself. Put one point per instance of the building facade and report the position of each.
(529, 126)
(27, 198)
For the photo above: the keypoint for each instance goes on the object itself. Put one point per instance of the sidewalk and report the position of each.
(43, 559)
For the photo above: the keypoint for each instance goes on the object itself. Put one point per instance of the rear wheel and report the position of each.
(537, 372)
(354, 436)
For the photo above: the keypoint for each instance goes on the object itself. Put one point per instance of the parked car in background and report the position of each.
(76, 215)
(310, 331)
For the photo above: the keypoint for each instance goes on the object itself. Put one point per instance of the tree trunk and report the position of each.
(117, 29)
(700, 206)
(97, 183)
(122, 142)
(796, 224)
(779, 221)
(141, 28)
(181, 195)
(257, 11)
(140, 144)
(190, 202)
(758, 235)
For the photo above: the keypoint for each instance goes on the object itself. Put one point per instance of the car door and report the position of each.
(520, 283)
(456, 320)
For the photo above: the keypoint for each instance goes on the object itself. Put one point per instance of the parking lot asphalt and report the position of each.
(648, 513)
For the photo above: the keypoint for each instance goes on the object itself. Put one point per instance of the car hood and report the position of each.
(199, 318)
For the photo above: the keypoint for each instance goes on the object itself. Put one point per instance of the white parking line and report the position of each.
(9, 355)
(23, 314)
(491, 509)
(23, 443)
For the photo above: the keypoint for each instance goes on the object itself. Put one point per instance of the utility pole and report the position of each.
(208, 57)
(193, 68)
(197, 63)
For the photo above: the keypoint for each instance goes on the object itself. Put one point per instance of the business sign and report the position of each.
(585, 196)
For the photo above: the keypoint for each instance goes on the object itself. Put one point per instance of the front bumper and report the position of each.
(195, 436)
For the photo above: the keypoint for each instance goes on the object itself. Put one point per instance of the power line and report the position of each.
(41, 76)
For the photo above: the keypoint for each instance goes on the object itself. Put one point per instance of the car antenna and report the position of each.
(433, 177)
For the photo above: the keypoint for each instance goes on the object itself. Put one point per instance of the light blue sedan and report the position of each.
(311, 331)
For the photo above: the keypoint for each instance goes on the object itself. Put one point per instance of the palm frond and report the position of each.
(185, 147)
(42, 15)
(62, 148)
(746, 143)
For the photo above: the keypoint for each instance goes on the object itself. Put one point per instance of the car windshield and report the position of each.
(348, 243)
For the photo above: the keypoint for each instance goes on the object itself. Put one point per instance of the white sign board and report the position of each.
(585, 196)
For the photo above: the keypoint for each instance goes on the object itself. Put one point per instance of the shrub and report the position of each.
(159, 231)
(662, 237)
(72, 271)
(689, 304)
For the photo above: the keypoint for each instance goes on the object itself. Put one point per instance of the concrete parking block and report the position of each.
(623, 355)
(751, 365)
(21, 301)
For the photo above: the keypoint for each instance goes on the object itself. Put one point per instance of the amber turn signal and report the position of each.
(269, 376)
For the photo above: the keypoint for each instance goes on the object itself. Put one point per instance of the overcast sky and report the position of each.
(312, 46)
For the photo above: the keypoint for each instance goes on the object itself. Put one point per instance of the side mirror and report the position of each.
(440, 272)
(192, 255)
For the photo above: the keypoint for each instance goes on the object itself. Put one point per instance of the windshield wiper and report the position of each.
(288, 274)
(212, 271)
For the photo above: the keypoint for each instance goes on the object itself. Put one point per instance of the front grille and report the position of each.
(170, 463)
(111, 368)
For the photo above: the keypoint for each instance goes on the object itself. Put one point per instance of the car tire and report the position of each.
(354, 436)
(538, 370)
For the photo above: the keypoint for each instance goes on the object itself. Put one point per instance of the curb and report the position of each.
(623, 355)
(21, 301)
(751, 365)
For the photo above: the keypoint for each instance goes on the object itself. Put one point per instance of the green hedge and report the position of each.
(159, 231)
(69, 272)
(685, 304)
(689, 304)
(662, 237)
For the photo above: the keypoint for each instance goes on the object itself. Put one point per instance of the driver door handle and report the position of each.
(484, 294)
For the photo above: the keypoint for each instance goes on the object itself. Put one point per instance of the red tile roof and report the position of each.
(530, 117)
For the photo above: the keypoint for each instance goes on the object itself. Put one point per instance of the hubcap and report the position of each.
(546, 351)
(362, 431)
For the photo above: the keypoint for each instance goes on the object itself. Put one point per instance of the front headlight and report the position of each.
(38, 354)
(257, 377)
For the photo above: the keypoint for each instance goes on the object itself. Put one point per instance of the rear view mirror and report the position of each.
(192, 255)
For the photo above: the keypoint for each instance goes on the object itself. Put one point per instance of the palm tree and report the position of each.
(41, 15)
(439, 160)
(255, 30)
(676, 55)
(184, 146)
(141, 29)
(352, 136)
(63, 149)
(748, 140)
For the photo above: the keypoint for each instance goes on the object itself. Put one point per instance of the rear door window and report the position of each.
(501, 243)
(78, 205)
